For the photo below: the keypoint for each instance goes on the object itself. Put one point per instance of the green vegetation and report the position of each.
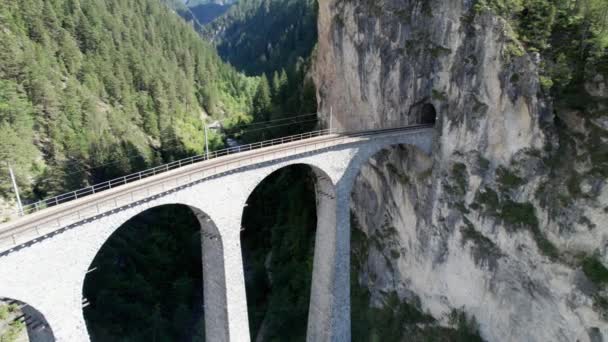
(595, 271)
(92, 90)
(458, 180)
(507, 180)
(278, 250)
(6, 310)
(571, 36)
(466, 327)
(386, 323)
(86, 83)
(261, 36)
(518, 214)
(439, 95)
(600, 303)
(484, 164)
(15, 328)
(12, 332)
(397, 319)
(515, 215)
(148, 281)
(484, 248)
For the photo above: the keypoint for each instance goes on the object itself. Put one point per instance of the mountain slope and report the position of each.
(85, 83)
(262, 36)
(504, 223)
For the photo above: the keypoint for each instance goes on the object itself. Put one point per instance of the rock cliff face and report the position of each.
(507, 219)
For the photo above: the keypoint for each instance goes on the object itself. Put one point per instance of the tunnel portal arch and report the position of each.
(428, 114)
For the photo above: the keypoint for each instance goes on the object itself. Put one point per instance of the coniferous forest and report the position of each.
(96, 89)
(87, 83)
(92, 90)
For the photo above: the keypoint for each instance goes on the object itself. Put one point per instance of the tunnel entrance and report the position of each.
(428, 114)
(21, 322)
(278, 242)
(146, 282)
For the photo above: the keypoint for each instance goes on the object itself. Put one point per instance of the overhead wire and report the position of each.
(272, 121)
(253, 130)
(133, 156)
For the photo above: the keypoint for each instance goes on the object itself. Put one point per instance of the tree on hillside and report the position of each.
(262, 101)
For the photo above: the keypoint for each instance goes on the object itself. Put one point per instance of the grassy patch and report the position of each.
(574, 185)
(519, 214)
(439, 95)
(386, 323)
(523, 215)
(516, 216)
(507, 179)
(13, 331)
(459, 180)
(484, 164)
(595, 271)
(6, 310)
(600, 303)
(395, 254)
(514, 78)
(487, 200)
(483, 246)
(467, 328)
(438, 50)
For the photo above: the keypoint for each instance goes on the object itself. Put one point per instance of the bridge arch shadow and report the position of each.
(117, 289)
(275, 227)
(20, 319)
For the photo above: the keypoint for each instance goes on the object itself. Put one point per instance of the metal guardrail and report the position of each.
(96, 188)
(31, 229)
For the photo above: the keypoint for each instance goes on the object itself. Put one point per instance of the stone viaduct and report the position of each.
(44, 261)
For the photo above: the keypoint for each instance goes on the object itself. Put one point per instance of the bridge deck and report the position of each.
(50, 219)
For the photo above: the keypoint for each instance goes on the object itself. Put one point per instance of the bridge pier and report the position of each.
(329, 313)
(235, 295)
(48, 273)
(341, 286)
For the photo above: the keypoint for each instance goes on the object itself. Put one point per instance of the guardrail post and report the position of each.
(97, 188)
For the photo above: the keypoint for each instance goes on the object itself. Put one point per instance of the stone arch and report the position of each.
(214, 280)
(320, 303)
(36, 326)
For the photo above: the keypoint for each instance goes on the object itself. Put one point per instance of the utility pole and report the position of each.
(19, 205)
(206, 143)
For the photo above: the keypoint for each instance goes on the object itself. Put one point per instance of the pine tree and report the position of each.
(262, 101)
